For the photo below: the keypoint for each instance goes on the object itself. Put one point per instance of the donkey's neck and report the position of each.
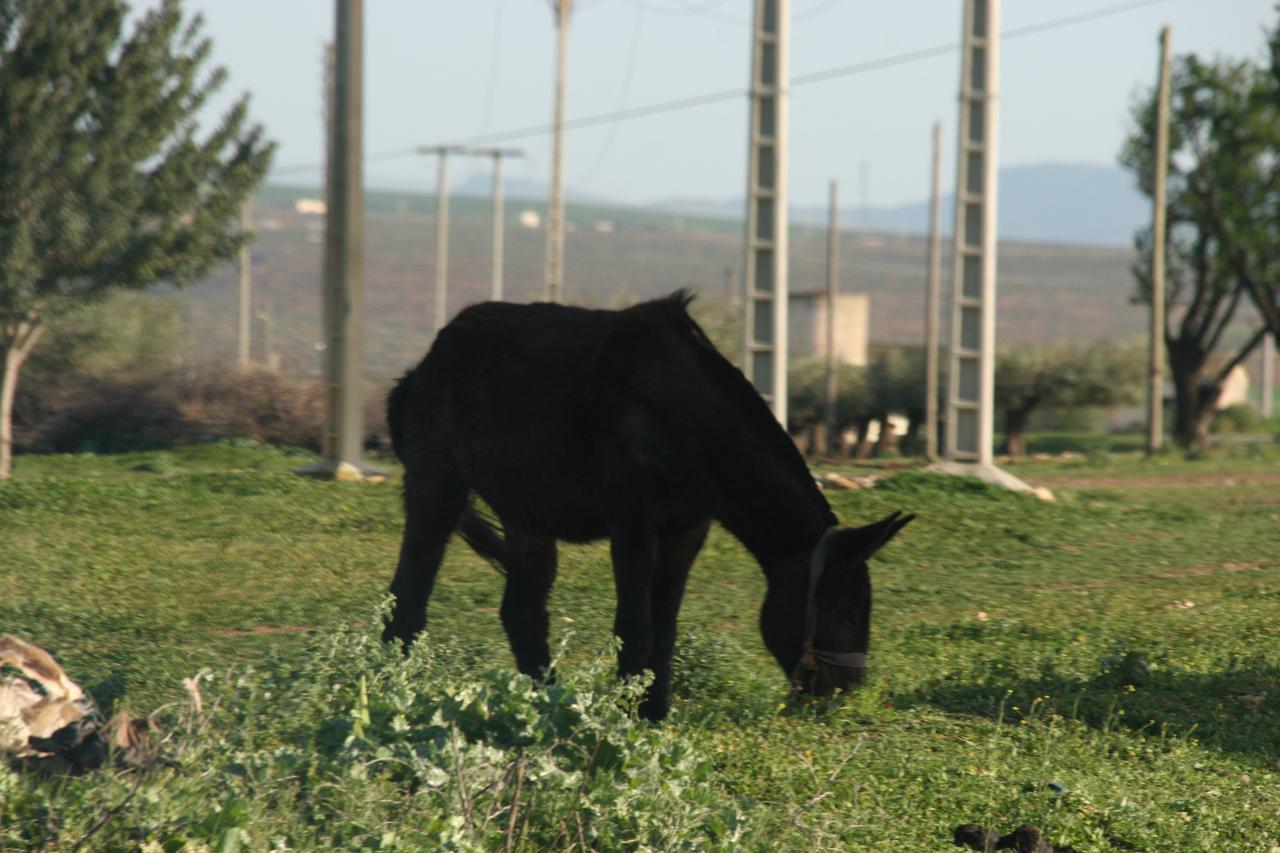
(774, 517)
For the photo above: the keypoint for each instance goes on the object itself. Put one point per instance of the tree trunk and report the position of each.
(887, 443)
(1015, 431)
(17, 342)
(1194, 399)
(862, 447)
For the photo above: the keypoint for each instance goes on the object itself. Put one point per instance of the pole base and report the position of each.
(347, 472)
(989, 474)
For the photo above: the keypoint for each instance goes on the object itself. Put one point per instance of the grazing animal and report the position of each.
(582, 424)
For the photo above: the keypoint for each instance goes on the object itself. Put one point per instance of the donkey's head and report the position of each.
(818, 624)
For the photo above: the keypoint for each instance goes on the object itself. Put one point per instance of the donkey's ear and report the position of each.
(859, 543)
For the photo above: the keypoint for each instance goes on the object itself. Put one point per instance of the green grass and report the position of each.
(1087, 697)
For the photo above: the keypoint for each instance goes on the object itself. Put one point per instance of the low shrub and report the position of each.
(359, 747)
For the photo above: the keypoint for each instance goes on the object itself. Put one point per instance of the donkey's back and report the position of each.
(559, 417)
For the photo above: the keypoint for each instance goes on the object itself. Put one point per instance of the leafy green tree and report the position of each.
(1223, 233)
(105, 179)
(1029, 379)
(1241, 182)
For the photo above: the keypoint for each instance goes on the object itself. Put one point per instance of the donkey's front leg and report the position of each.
(633, 560)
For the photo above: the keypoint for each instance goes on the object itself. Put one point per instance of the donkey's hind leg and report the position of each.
(432, 506)
(531, 572)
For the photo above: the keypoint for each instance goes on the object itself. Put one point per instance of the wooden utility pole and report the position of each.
(971, 380)
(764, 306)
(344, 253)
(244, 288)
(555, 209)
(833, 290)
(1155, 387)
(329, 437)
(931, 301)
(1268, 374)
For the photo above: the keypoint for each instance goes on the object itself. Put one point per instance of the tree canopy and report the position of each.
(106, 179)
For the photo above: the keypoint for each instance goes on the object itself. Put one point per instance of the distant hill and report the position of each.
(1068, 204)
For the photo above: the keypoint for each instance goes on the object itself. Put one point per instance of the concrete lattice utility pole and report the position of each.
(244, 289)
(764, 304)
(931, 301)
(344, 256)
(442, 231)
(833, 290)
(499, 216)
(970, 410)
(1155, 384)
(971, 379)
(555, 208)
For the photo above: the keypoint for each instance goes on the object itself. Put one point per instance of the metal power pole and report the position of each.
(344, 251)
(931, 301)
(833, 289)
(970, 399)
(765, 304)
(555, 208)
(244, 288)
(1155, 388)
(499, 216)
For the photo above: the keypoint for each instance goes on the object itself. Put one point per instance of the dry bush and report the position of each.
(148, 408)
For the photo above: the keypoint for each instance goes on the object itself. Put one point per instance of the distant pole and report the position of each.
(555, 208)
(499, 215)
(971, 380)
(442, 240)
(1155, 389)
(344, 251)
(765, 305)
(244, 289)
(1268, 374)
(270, 358)
(932, 300)
(833, 288)
(731, 286)
(495, 271)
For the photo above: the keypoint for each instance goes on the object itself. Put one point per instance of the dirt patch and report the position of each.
(258, 630)
(1194, 571)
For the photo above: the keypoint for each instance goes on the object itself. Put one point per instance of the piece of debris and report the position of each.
(1184, 604)
(981, 616)
(1253, 700)
(839, 481)
(26, 713)
(1024, 839)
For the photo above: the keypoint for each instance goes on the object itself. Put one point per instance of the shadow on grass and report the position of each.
(1235, 711)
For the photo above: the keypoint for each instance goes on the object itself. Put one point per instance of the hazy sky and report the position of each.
(441, 71)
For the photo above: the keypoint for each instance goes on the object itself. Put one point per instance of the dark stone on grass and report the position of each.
(1024, 839)
(975, 837)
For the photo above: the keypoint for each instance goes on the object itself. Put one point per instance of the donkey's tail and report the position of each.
(396, 402)
(484, 537)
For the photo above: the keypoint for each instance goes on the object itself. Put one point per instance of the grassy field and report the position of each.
(1106, 667)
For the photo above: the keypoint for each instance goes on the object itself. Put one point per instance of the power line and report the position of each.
(706, 99)
(623, 97)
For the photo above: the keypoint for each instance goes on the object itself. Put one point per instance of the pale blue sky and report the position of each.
(439, 71)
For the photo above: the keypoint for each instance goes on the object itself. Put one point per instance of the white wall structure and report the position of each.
(807, 326)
